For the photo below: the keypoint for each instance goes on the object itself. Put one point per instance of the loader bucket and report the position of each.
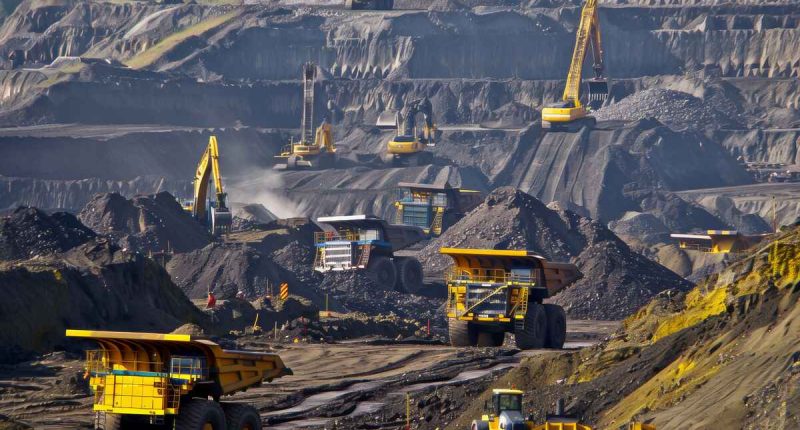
(598, 92)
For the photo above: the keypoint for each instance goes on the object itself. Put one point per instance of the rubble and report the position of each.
(29, 232)
(673, 108)
(145, 223)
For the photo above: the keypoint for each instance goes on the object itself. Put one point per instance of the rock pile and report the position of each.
(145, 223)
(673, 108)
(28, 232)
(616, 280)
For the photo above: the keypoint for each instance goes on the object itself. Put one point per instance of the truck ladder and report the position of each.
(436, 225)
(363, 259)
(398, 214)
(521, 306)
(319, 257)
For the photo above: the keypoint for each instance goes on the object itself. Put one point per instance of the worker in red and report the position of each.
(212, 300)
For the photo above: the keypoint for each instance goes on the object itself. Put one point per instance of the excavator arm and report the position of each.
(208, 168)
(588, 36)
(570, 113)
(424, 107)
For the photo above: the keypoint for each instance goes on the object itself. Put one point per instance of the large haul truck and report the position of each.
(491, 292)
(173, 380)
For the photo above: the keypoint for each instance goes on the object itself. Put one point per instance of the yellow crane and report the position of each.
(570, 113)
(216, 214)
(299, 155)
(408, 144)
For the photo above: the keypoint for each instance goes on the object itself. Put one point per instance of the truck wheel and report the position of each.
(382, 272)
(556, 326)
(488, 339)
(479, 425)
(107, 421)
(530, 333)
(409, 273)
(240, 416)
(200, 414)
(462, 333)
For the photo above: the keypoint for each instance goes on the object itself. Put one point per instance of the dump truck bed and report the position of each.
(235, 370)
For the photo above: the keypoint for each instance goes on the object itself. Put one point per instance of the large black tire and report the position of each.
(240, 416)
(556, 326)
(107, 421)
(382, 272)
(489, 339)
(531, 332)
(461, 333)
(196, 414)
(409, 275)
(479, 425)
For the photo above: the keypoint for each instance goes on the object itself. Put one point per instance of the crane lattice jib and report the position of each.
(309, 73)
(588, 32)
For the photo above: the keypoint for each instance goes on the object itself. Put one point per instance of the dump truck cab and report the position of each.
(491, 292)
(369, 243)
(172, 379)
(433, 208)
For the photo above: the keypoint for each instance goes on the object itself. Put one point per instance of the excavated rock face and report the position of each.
(145, 223)
(94, 285)
(615, 279)
(29, 232)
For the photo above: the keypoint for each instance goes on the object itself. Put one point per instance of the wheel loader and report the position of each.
(365, 242)
(172, 380)
(491, 292)
(504, 412)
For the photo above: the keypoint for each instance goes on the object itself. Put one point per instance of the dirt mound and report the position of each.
(680, 352)
(145, 223)
(28, 232)
(673, 108)
(616, 280)
(94, 285)
(353, 291)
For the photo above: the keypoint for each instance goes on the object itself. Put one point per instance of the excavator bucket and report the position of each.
(387, 120)
(598, 92)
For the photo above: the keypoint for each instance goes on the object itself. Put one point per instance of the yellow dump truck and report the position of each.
(172, 380)
(491, 292)
(504, 412)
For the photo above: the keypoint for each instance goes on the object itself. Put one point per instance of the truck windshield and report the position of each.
(522, 274)
(509, 402)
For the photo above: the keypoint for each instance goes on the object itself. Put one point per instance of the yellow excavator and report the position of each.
(570, 114)
(408, 145)
(299, 155)
(214, 214)
(505, 413)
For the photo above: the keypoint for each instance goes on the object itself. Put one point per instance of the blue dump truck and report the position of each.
(434, 208)
(369, 243)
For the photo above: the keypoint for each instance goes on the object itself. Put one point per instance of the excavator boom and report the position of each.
(571, 109)
(218, 217)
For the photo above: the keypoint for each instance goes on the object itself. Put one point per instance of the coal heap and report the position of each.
(93, 285)
(145, 223)
(353, 291)
(616, 280)
(28, 232)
